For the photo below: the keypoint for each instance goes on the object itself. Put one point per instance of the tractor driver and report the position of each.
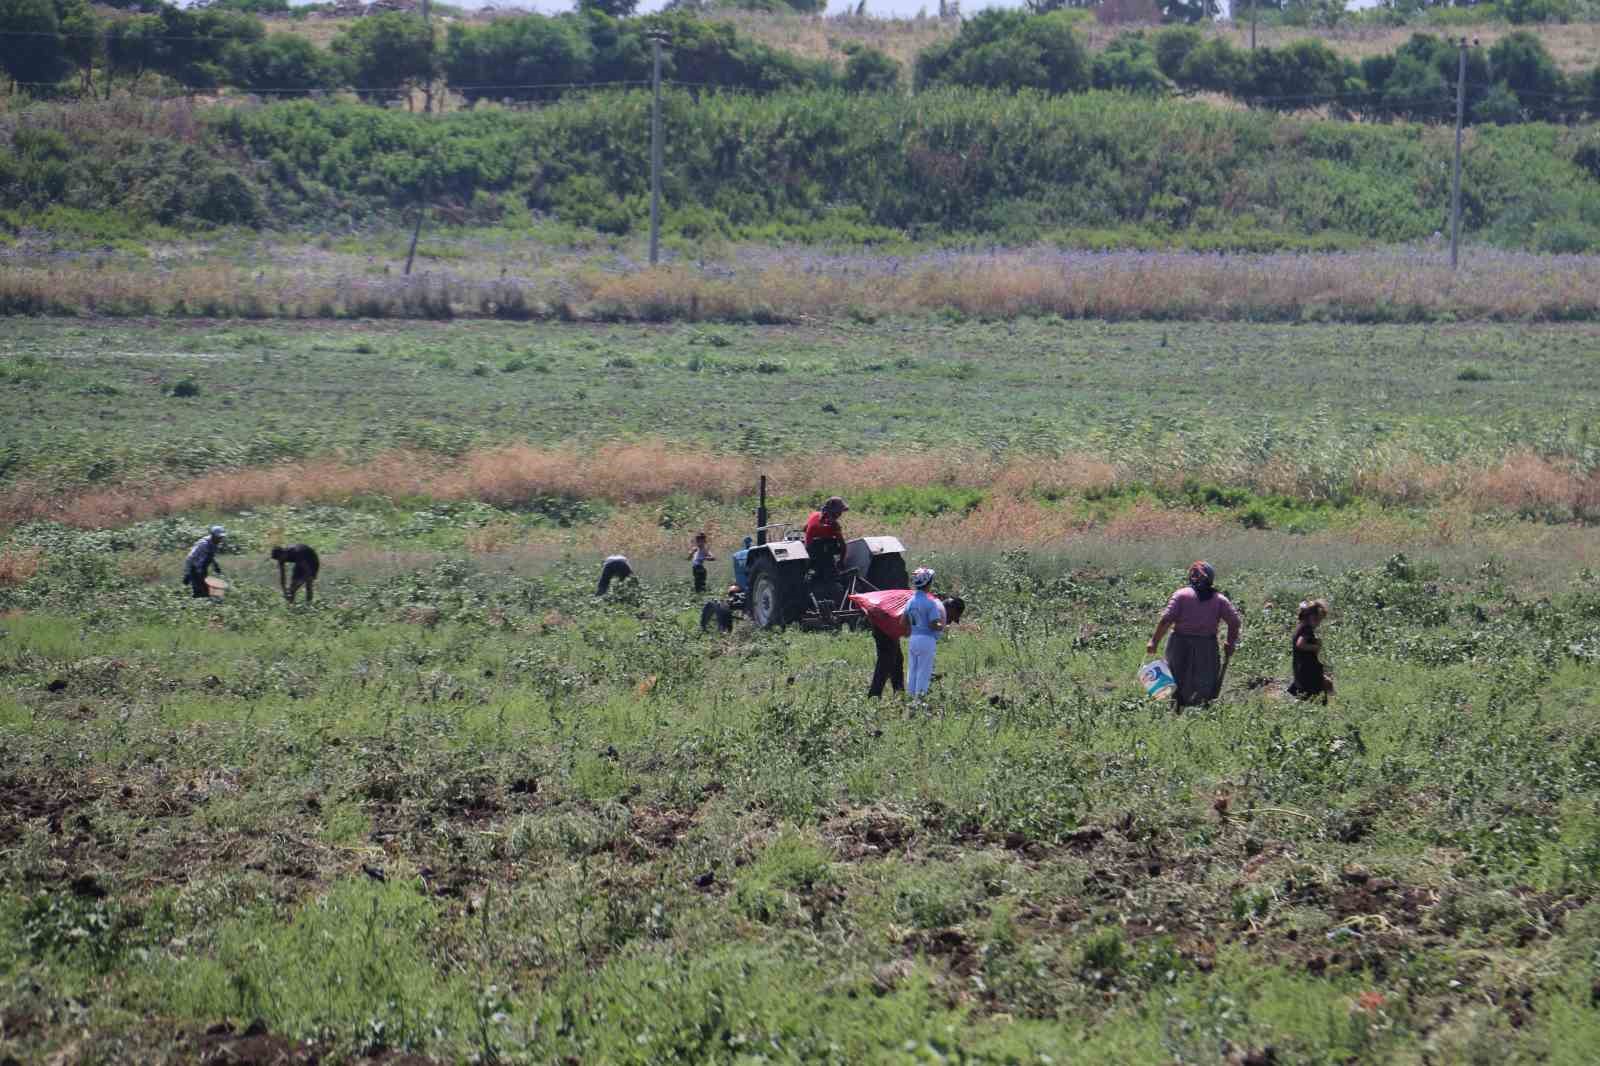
(825, 540)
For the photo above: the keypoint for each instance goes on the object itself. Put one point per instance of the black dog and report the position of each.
(721, 612)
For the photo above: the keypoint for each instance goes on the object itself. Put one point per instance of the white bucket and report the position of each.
(1157, 680)
(216, 587)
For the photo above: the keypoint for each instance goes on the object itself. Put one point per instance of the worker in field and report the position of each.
(615, 568)
(202, 558)
(888, 626)
(1193, 614)
(925, 619)
(306, 566)
(824, 539)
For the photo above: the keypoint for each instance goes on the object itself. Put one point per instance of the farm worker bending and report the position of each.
(1193, 614)
(203, 557)
(615, 568)
(824, 539)
(925, 617)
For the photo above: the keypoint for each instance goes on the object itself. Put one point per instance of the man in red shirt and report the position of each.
(824, 539)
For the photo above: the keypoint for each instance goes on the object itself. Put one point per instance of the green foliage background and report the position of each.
(941, 164)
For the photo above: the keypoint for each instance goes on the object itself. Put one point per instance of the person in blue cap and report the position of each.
(203, 557)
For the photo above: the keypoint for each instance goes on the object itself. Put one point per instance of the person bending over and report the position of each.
(616, 568)
(304, 559)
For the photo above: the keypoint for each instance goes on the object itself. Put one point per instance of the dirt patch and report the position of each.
(23, 800)
(1396, 904)
(221, 1045)
(863, 834)
(961, 954)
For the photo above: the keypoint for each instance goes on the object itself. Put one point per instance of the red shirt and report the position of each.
(822, 526)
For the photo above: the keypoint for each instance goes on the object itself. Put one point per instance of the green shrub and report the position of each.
(283, 64)
(868, 70)
(1009, 50)
(504, 58)
(386, 55)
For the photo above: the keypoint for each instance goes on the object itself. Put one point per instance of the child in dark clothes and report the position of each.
(697, 561)
(1310, 679)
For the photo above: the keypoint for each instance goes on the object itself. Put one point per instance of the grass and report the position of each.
(461, 809)
(1319, 412)
(545, 826)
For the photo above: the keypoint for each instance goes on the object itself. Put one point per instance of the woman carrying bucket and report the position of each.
(1193, 614)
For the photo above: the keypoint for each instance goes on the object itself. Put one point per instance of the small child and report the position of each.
(698, 559)
(1310, 679)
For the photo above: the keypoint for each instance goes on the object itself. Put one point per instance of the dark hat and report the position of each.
(836, 505)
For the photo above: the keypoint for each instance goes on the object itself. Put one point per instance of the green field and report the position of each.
(92, 402)
(462, 810)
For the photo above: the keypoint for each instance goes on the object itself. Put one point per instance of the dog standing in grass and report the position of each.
(306, 565)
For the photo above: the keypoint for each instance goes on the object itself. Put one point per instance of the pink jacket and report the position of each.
(1191, 616)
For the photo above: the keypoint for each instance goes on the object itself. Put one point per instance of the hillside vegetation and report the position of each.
(818, 164)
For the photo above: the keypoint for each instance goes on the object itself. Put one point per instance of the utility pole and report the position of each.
(427, 20)
(1455, 185)
(411, 256)
(656, 39)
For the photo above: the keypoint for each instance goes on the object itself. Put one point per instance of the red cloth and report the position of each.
(886, 610)
(822, 526)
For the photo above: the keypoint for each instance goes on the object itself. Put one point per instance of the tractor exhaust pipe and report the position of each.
(761, 512)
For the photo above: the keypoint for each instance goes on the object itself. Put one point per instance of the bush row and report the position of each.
(390, 55)
(1513, 80)
(1017, 166)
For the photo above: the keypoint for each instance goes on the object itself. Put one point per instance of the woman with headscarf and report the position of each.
(1193, 614)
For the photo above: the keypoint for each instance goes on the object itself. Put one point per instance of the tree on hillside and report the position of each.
(1418, 80)
(505, 58)
(1172, 46)
(35, 54)
(1520, 64)
(190, 46)
(620, 51)
(284, 65)
(1212, 66)
(617, 9)
(1300, 75)
(1129, 64)
(715, 54)
(999, 49)
(1190, 10)
(387, 56)
(130, 46)
(867, 70)
(81, 39)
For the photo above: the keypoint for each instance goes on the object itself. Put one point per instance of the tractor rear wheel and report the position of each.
(769, 597)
